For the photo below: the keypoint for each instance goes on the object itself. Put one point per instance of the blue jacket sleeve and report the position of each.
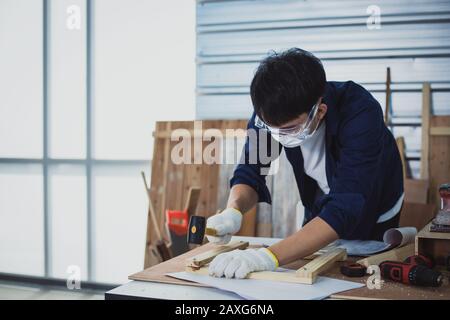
(255, 160)
(361, 140)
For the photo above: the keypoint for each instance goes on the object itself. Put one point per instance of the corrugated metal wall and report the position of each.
(413, 39)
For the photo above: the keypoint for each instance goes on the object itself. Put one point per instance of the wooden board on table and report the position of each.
(389, 289)
(397, 254)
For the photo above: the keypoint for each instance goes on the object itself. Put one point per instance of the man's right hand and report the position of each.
(226, 223)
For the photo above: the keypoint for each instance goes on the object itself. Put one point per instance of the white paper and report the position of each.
(400, 236)
(252, 289)
(394, 237)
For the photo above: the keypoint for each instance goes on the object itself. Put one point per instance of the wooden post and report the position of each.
(426, 111)
(388, 97)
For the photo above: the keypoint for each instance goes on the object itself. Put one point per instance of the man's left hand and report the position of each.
(239, 263)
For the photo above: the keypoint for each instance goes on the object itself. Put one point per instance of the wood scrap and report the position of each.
(261, 275)
(397, 254)
(309, 272)
(387, 114)
(206, 257)
(162, 246)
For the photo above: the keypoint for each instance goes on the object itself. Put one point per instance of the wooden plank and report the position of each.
(416, 214)
(199, 134)
(398, 254)
(261, 275)
(416, 190)
(192, 200)
(440, 131)
(426, 233)
(401, 149)
(426, 112)
(439, 159)
(206, 257)
(387, 113)
(309, 272)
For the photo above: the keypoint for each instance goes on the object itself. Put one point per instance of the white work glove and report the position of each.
(239, 263)
(226, 223)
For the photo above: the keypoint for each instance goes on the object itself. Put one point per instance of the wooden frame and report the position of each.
(305, 275)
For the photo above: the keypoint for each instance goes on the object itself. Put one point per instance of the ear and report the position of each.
(322, 110)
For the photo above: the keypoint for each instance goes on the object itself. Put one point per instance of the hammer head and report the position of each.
(197, 229)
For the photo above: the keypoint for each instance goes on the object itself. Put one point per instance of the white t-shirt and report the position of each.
(314, 155)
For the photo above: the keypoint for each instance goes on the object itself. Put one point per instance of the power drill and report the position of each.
(415, 270)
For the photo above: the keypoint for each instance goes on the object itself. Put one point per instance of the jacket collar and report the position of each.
(331, 117)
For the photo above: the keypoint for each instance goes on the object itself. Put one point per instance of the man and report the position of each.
(345, 160)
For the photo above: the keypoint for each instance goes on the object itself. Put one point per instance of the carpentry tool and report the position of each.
(305, 275)
(197, 230)
(414, 270)
(177, 221)
(442, 221)
(162, 246)
(353, 270)
(420, 259)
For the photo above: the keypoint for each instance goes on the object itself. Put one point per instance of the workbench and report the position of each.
(167, 291)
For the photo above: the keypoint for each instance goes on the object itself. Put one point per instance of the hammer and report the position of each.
(197, 230)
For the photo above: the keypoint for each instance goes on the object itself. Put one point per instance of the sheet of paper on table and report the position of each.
(392, 238)
(272, 290)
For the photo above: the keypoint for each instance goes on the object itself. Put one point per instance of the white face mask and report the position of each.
(293, 137)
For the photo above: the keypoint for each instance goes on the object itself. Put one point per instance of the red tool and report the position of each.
(353, 270)
(177, 220)
(420, 259)
(416, 270)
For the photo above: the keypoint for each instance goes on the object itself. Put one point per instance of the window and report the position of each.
(81, 86)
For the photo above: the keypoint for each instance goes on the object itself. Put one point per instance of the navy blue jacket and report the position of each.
(363, 165)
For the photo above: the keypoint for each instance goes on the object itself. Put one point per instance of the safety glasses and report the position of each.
(296, 130)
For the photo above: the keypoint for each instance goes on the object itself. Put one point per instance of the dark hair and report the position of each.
(286, 85)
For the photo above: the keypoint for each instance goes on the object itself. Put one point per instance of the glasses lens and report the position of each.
(294, 130)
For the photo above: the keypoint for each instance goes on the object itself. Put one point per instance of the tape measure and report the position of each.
(353, 270)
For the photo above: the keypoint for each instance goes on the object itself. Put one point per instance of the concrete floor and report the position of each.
(10, 291)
